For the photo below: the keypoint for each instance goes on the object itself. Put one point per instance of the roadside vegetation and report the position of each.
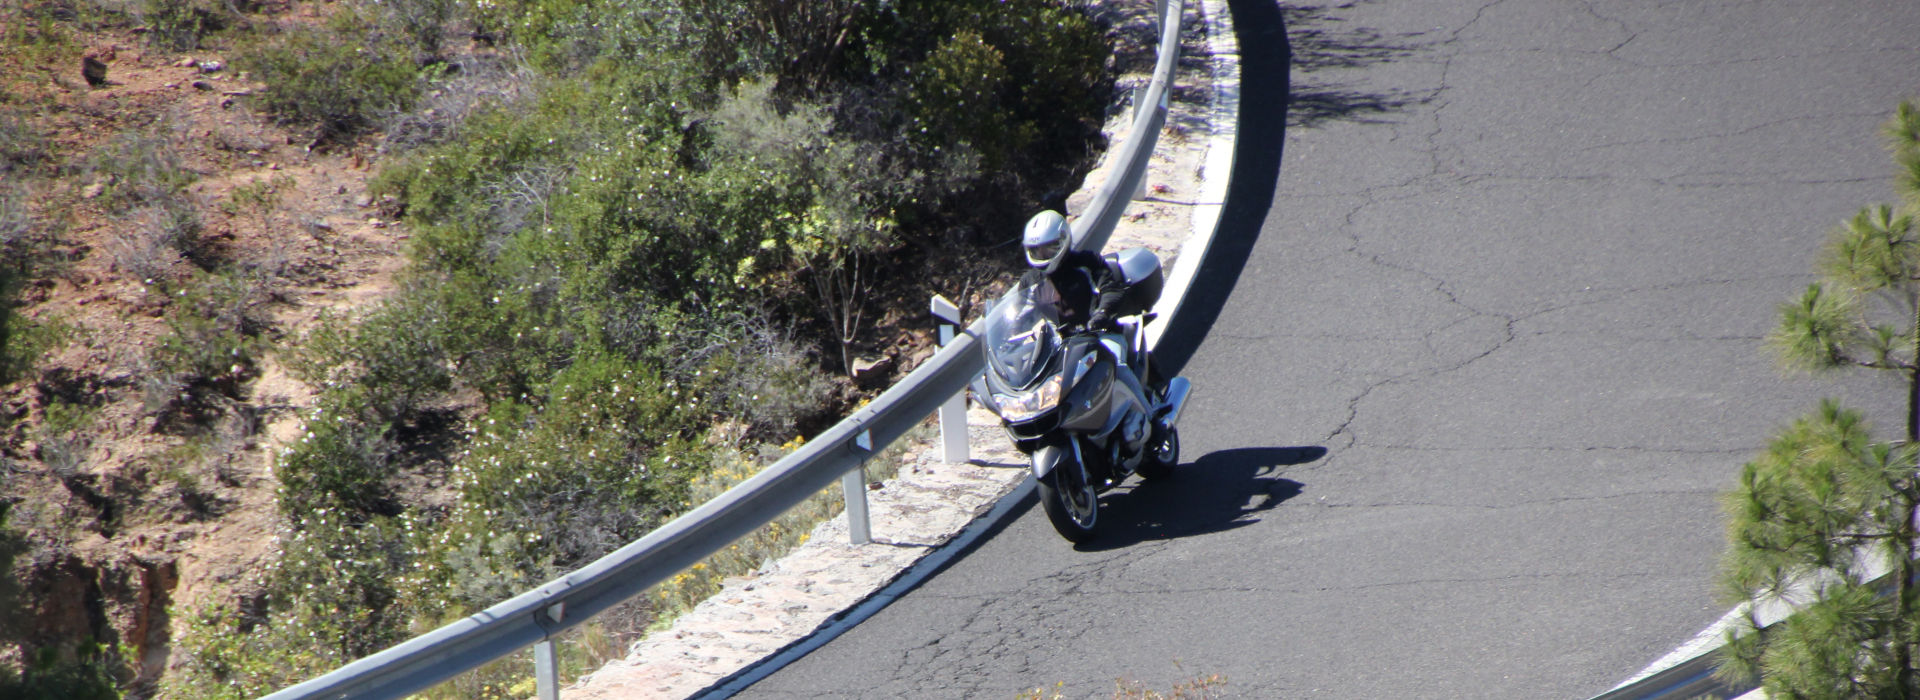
(646, 243)
(1829, 508)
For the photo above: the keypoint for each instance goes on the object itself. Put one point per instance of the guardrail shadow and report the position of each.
(1221, 491)
(1275, 43)
(1260, 134)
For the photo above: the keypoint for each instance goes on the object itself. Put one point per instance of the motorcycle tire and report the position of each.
(1163, 454)
(1071, 503)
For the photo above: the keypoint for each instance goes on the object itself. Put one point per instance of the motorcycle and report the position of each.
(1076, 401)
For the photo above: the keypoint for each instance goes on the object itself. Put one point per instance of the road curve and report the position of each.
(1476, 351)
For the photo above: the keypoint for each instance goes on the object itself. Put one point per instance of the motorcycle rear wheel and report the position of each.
(1068, 497)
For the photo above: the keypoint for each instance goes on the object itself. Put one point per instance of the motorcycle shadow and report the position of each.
(1220, 491)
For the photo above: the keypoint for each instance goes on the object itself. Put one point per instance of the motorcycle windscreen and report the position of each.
(1019, 334)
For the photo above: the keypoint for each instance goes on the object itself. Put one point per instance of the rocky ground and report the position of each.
(133, 515)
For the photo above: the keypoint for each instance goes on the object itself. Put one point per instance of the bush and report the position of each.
(212, 336)
(957, 98)
(16, 229)
(159, 235)
(394, 357)
(340, 78)
(423, 24)
(22, 147)
(178, 25)
(340, 465)
(90, 677)
(598, 460)
(22, 340)
(328, 601)
(136, 168)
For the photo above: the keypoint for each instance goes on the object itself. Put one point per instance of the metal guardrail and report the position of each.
(538, 615)
(1692, 678)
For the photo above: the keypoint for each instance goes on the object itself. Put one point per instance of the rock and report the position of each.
(202, 85)
(187, 62)
(92, 191)
(212, 66)
(872, 371)
(94, 70)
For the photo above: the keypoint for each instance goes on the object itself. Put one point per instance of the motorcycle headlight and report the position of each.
(1023, 406)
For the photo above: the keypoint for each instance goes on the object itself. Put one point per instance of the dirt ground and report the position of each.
(131, 517)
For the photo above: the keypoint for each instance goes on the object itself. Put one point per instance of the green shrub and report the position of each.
(228, 655)
(341, 463)
(598, 460)
(158, 235)
(423, 24)
(23, 148)
(22, 340)
(340, 78)
(329, 600)
(179, 25)
(48, 677)
(394, 356)
(136, 168)
(213, 336)
(12, 545)
(957, 100)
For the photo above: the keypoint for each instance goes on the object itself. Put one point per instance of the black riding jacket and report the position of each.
(1089, 288)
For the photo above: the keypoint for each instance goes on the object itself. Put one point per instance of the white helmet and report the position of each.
(1045, 240)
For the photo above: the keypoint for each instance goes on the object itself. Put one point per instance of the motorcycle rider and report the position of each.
(1082, 286)
(1086, 285)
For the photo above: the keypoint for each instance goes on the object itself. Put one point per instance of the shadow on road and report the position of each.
(1265, 56)
(1324, 44)
(1220, 491)
(1275, 43)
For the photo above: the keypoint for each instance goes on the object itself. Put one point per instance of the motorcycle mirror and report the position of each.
(945, 310)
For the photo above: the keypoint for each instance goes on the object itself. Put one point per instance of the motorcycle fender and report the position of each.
(1049, 456)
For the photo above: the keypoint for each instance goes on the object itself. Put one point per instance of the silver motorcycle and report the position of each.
(1077, 401)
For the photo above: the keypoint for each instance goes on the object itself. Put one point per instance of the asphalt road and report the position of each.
(1478, 350)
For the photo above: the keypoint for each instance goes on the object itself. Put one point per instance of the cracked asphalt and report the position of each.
(1477, 349)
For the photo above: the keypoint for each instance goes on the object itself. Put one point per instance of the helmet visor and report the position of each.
(1040, 254)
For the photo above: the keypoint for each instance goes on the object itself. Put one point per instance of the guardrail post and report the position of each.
(1140, 108)
(546, 670)
(854, 485)
(953, 413)
(853, 490)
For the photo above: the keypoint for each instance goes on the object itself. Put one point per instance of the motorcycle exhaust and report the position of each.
(1178, 389)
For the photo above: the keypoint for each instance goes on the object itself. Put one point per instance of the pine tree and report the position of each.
(1819, 516)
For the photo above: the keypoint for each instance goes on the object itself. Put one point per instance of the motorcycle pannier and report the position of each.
(1144, 279)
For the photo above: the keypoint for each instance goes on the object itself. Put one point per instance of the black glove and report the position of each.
(1097, 319)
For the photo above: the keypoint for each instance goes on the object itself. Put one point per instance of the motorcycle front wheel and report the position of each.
(1068, 497)
(1163, 454)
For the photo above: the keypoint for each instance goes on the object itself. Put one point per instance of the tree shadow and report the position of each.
(1221, 491)
(1324, 45)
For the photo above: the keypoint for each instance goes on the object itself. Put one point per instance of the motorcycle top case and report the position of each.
(1141, 269)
